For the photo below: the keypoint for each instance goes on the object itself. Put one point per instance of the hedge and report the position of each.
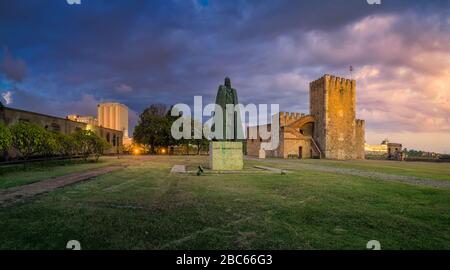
(31, 140)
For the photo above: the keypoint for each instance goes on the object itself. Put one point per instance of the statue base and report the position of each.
(262, 153)
(226, 156)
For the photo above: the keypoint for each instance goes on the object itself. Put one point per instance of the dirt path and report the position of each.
(369, 174)
(18, 194)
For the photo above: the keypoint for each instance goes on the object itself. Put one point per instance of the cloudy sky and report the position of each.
(58, 59)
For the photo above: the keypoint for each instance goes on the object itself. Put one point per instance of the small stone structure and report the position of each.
(226, 155)
(385, 150)
(262, 153)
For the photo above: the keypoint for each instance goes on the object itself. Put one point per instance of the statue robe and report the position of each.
(226, 96)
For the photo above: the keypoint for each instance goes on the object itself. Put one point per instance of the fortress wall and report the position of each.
(287, 118)
(291, 147)
(360, 139)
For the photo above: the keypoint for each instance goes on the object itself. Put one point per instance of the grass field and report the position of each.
(431, 170)
(145, 207)
(17, 175)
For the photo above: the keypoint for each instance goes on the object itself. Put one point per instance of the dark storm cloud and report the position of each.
(14, 69)
(143, 52)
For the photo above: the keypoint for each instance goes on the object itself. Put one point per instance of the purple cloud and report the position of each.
(169, 51)
(14, 69)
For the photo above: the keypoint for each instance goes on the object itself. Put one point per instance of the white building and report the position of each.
(87, 119)
(114, 116)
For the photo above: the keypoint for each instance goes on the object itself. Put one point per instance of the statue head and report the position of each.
(227, 82)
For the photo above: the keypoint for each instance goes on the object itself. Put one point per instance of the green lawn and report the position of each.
(144, 207)
(17, 175)
(428, 170)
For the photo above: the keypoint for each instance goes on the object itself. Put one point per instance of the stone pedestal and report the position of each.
(262, 153)
(225, 156)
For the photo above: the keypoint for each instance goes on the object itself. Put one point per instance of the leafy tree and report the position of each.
(66, 145)
(87, 143)
(50, 145)
(153, 128)
(202, 143)
(27, 138)
(5, 140)
(82, 141)
(98, 145)
(196, 127)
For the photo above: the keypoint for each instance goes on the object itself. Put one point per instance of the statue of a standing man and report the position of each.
(231, 120)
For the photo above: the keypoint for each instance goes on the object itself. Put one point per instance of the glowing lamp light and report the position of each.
(136, 151)
(163, 151)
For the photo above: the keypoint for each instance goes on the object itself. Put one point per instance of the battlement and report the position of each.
(360, 123)
(332, 81)
(289, 117)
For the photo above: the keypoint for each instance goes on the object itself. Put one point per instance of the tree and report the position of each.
(196, 128)
(82, 143)
(202, 143)
(27, 138)
(5, 139)
(66, 145)
(87, 143)
(99, 145)
(157, 109)
(50, 145)
(153, 128)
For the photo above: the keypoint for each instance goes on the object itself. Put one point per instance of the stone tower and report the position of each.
(336, 130)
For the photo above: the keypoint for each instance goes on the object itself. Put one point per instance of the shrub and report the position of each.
(87, 143)
(5, 138)
(50, 146)
(66, 145)
(82, 142)
(99, 145)
(28, 139)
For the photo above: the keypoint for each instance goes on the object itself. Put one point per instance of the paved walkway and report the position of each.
(21, 193)
(369, 174)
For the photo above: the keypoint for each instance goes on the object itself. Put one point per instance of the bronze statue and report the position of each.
(228, 95)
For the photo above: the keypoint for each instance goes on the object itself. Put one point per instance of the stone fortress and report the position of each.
(330, 130)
